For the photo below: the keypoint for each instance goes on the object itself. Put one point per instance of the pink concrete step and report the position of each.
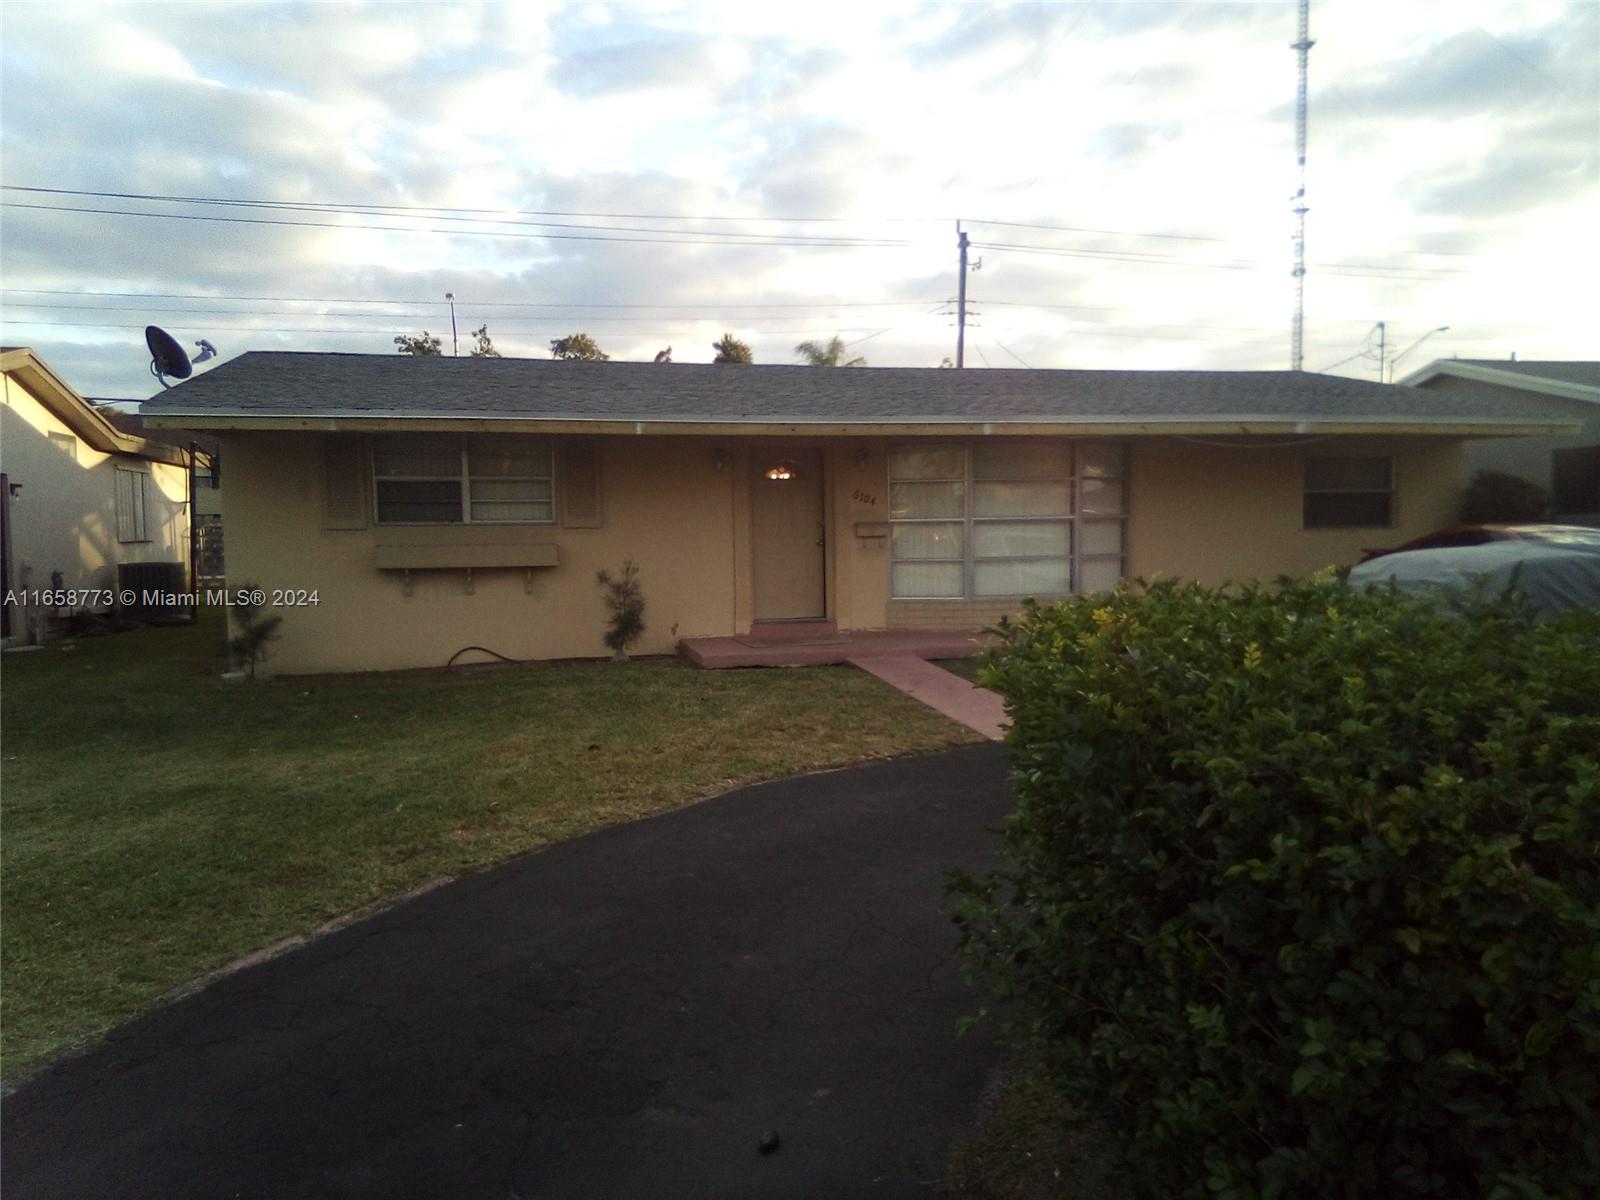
(975, 707)
(782, 631)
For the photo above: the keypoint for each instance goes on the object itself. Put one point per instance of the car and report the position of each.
(1578, 536)
(1556, 566)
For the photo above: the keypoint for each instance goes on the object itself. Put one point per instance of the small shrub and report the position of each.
(1302, 891)
(625, 608)
(249, 645)
(1494, 496)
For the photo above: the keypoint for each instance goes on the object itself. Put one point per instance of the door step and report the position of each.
(788, 631)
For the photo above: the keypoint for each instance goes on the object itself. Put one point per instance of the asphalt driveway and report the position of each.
(623, 1015)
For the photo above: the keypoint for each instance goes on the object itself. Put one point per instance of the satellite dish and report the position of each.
(166, 356)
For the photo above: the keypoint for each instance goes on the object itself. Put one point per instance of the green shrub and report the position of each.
(624, 608)
(256, 630)
(1302, 892)
(1496, 496)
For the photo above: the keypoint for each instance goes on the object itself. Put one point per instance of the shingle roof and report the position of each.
(265, 384)
(1587, 373)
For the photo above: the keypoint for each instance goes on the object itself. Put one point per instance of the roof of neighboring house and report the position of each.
(334, 391)
(77, 414)
(1570, 379)
(134, 423)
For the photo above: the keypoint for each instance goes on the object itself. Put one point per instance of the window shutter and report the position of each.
(124, 480)
(344, 496)
(140, 530)
(580, 484)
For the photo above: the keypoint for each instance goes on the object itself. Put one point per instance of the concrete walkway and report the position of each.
(975, 707)
(623, 1015)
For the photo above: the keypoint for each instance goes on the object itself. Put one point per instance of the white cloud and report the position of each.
(1467, 128)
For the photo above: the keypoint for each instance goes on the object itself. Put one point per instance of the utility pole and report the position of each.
(455, 346)
(961, 301)
(1383, 343)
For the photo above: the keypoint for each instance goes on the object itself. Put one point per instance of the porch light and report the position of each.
(782, 472)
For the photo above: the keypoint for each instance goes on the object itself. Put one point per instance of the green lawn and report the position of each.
(160, 823)
(967, 668)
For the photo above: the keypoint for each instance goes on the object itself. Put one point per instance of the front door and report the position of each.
(786, 527)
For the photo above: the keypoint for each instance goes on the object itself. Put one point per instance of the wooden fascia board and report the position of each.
(1220, 426)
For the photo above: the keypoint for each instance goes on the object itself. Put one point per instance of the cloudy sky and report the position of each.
(318, 176)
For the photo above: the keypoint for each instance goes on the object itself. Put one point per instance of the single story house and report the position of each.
(433, 504)
(1568, 467)
(81, 502)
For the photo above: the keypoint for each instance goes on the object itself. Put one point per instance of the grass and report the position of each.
(1023, 1146)
(967, 668)
(160, 823)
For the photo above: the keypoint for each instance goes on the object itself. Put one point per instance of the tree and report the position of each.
(426, 346)
(578, 346)
(249, 645)
(731, 350)
(625, 606)
(1497, 496)
(483, 347)
(827, 354)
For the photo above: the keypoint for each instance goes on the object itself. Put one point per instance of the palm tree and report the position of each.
(827, 354)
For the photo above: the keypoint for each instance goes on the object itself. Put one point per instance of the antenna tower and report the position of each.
(1302, 49)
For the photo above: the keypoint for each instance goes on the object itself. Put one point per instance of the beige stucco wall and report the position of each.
(1196, 511)
(666, 506)
(63, 517)
(1216, 513)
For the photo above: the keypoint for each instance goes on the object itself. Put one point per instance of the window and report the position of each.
(1005, 519)
(130, 506)
(432, 479)
(1349, 493)
(207, 471)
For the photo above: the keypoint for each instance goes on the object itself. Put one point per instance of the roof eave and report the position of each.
(1519, 380)
(1088, 426)
(78, 414)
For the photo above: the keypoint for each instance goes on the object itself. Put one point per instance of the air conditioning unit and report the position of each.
(157, 592)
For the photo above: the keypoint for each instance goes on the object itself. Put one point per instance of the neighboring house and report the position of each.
(1567, 467)
(81, 500)
(204, 451)
(433, 504)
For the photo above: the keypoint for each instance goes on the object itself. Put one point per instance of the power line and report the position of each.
(592, 232)
(1155, 259)
(475, 304)
(1011, 352)
(1181, 237)
(412, 315)
(548, 325)
(671, 238)
(431, 209)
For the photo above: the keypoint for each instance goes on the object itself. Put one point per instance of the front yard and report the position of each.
(160, 823)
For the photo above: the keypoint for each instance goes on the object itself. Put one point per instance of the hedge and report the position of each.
(1302, 891)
